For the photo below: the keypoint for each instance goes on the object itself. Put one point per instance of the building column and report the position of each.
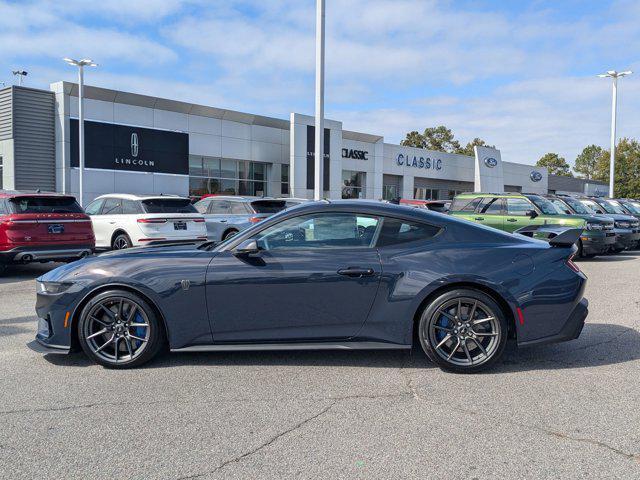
(298, 158)
(407, 187)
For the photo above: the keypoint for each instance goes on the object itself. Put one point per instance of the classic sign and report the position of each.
(355, 154)
(419, 162)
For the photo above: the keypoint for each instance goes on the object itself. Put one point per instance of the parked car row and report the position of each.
(607, 226)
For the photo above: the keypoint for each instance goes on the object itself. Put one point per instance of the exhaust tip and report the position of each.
(27, 258)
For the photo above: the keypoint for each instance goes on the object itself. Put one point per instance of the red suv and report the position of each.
(39, 227)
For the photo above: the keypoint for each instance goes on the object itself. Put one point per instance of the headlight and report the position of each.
(634, 225)
(52, 288)
(594, 226)
(622, 224)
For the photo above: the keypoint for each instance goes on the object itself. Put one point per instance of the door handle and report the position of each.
(511, 220)
(479, 218)
(356, 272)
(223, 221)
(112, 223)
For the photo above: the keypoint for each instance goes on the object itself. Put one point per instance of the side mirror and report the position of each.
(248, 247)
(532, 213)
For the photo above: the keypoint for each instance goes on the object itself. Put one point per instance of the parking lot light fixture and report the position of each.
(85, 62)
(20, 74)
(614, 101)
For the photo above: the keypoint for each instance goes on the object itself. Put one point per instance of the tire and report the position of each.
(580, 253)
(463, 346)
(3, 267)
(590, 255)
(617, 250)
(228, 234)
(129, 344)
(121, 242)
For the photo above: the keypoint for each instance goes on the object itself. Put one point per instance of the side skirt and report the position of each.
(293, 346)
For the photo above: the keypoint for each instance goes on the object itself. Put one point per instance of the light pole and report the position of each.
(85, 62)
(614, 105)
(20, 74)
(319, 133)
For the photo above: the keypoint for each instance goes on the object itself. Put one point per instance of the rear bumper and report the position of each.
(570, 330)
(26, 254)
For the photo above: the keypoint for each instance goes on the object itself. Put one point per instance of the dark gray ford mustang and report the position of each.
(323, 275)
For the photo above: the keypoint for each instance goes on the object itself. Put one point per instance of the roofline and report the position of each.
(137, 99)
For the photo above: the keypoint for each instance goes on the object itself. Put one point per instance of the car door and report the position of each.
(490, 212)
(314, 278)
(100, 230)
(217, 218)
(517, 216)
(111, 218)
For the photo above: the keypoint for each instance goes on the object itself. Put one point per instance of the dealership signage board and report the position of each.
(311, 156)
(120, 147)
(414, 161)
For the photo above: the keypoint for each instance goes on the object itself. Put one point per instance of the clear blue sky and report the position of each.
(519, 74)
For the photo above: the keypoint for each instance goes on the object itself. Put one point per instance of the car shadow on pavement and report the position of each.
(618, 257)
(12, 326)
(599, 345)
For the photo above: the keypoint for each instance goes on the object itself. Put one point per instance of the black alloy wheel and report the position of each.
(463, 330)
(118, 329)
(121, 242)
(229, 234)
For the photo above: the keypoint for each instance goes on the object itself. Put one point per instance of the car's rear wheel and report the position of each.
(118, 329)
(463, 330)
(121, 241)
(229, 233)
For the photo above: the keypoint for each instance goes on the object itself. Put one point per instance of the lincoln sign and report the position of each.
(121, 147)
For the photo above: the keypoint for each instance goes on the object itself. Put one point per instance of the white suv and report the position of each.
(123, 221)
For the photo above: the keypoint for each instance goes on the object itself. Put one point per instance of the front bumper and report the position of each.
(596, 243)
(45, 253)
(571, 329)
(39, 347)
(625, 238)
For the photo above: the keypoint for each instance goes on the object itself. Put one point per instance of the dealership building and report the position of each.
(148, 145)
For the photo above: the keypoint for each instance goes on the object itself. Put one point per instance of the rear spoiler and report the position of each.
(556, 235)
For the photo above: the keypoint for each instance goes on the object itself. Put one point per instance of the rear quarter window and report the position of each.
(465, 204)
(45, 205)
(268, 206)
(396, 231)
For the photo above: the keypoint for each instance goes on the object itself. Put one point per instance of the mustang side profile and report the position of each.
(322, 275)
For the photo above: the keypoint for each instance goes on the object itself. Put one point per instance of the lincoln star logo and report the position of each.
(490, 162)
(134, 144)
(535, 176)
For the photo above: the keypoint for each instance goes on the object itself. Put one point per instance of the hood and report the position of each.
(598, 219)
(562, 219)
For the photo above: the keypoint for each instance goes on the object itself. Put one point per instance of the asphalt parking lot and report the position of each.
(562, 411)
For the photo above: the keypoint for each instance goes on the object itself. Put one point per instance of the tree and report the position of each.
(468, 149)
(627, 175)
(556, 165)
(436, 138)
(587, 161)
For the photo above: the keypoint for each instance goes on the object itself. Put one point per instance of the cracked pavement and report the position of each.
(567, 410)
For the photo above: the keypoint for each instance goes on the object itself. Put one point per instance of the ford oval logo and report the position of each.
(535, 176)
(134, 144)
(490, 162)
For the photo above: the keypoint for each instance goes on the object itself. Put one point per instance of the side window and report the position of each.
(491, 205)
(3, 207)
(202, 206)
(395, 231)
(131, 207)
(518, 207)
(329, 230)
(465, 205)
(112, 206)
(94, 207)
(220, 207)
(239, 208)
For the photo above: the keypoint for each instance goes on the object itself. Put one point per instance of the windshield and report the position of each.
(560, 205)
(45, 205)
(578, 206)
(633, 206)
(168, 205)
(268, 206)
(545, 205)
(612, 207)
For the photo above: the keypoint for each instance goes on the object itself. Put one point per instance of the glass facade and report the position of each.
(284, 178)
(209, 175)
(353, 184)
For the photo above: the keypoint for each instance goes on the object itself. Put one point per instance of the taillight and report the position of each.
(572, 265)
(152, 220)
(198, 220)
(255, 219)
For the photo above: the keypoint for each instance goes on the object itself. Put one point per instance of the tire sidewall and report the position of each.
(228, 234)
(430, 309)
(156, 336)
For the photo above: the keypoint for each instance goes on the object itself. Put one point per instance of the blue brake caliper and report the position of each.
(442, 322)
(139, 331)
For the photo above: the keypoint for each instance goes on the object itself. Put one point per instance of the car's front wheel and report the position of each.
(118, 329)
(463, 330)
